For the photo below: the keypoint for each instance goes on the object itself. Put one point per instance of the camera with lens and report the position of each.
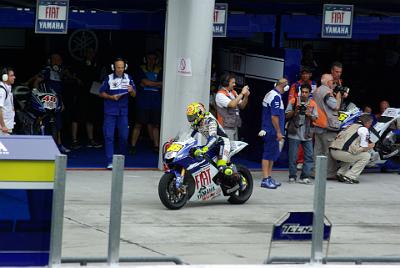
(341, 89)
(302, 108)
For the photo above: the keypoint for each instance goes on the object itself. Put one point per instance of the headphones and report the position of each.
(119, 59)
(225, 79)
(4, 74)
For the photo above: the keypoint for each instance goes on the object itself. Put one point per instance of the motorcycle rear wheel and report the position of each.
(240, 197)
(170, 198)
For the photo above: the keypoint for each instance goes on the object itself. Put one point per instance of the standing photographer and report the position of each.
(336, 72)
(327, 125)
(301, 111)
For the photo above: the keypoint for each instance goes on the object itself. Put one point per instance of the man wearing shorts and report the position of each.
(272, 131)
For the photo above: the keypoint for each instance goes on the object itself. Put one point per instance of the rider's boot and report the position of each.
(223, 168)
(227, 170)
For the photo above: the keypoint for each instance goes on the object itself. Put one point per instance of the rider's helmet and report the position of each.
(195, 113)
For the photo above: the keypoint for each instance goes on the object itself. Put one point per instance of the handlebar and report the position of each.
(205, 156)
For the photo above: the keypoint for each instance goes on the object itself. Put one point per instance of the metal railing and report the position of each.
(114, 226)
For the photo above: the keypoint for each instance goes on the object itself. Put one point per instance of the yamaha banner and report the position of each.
(52, 16)
(220, 19)
(337, 21)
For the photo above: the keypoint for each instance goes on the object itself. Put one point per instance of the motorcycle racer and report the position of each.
(205, 123)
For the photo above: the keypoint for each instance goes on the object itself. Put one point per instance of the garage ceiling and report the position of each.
(312, 7)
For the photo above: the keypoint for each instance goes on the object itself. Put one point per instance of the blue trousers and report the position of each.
(110, 122)
(308, 157)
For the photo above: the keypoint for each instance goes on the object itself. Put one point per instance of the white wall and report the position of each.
(188, 34)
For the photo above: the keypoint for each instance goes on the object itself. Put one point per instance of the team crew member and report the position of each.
(115, 90)
(148, 102)
(272, 130)
(53, 76)
(351, 146)
(228, 105)
(7, 112)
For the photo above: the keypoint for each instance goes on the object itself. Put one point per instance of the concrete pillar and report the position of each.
(188, 35)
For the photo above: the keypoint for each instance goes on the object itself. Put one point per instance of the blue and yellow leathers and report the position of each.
(116, 112)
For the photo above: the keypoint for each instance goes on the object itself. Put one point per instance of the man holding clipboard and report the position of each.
(115, 91)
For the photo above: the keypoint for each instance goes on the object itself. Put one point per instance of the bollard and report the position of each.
(57, 211)
(114, 231)
(319, 210)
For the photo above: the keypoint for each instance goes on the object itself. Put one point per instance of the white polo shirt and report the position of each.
(363, 132)
(7, 105)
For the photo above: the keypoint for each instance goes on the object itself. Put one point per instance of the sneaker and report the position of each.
(345, 179)
(63, 149)
(109, 166)
(93, 144)
(299, 166)
(292, 180)
(305, 181)
(354, 181)
(268, 183)
(75, 145)
(340, 178)
(277, 183)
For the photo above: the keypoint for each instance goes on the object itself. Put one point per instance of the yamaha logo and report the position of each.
(3, 149)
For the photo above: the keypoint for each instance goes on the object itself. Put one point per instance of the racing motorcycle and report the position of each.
(197, 178)
(386, 139)
(35, 110)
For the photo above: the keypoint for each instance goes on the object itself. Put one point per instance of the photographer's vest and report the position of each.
(327, 118)
(295, 120)
(229, 117)
(348, 140)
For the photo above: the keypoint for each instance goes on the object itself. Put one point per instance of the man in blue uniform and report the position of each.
(115, 90)
(148, 101)
(272, 131)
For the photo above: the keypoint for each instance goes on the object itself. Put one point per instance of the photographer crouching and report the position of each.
(301, 112)
(351, 147)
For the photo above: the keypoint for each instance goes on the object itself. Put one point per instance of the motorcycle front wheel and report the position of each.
(241, 196)
(169, 196)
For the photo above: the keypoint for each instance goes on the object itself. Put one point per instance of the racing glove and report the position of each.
(201, 151)
(262, 133)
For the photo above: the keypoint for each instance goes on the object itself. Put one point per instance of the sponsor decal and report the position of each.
(203, 178)
(208, 192)
(296, 228)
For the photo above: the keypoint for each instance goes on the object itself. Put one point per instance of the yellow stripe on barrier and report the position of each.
(29, 171)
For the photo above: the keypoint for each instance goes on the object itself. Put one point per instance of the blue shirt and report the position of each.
(113, 85)
(273, 105)
(149, 97)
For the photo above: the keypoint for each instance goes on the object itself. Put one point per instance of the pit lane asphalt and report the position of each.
(365, 217)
